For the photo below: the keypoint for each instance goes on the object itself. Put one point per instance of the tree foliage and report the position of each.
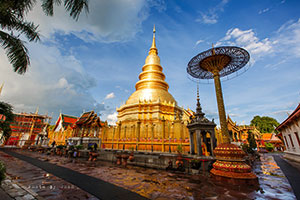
(7, 111)
(264, 124)
(269, 146)
(13, 24)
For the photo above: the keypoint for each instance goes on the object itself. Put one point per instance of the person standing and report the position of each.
(53, 144)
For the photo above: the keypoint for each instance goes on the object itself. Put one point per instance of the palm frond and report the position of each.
(15, 51)
(21, 7)
(75, 7)
(29, 29)
(47, 6)
(6, 110)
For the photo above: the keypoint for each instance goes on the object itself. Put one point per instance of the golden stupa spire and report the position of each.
(153, 49)
(151, 85)
(152, 75)
(153, 41)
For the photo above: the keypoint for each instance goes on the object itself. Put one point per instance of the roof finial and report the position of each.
(198, 108)
(213, 49)
(198, 98)
(37, 110)
(1, 88)
(153, 41)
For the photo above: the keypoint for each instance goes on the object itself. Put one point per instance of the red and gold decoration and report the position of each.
(230, 163)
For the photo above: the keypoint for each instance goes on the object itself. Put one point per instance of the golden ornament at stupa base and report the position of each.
(150, 120)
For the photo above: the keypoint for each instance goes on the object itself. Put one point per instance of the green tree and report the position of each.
(6, 111)
(264, 124)
(13, 24)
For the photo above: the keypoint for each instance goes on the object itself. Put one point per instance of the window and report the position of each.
(291, 140)
(297, 136)
(286, 142)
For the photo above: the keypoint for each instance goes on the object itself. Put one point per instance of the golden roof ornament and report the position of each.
(213, 49)
(153, 49)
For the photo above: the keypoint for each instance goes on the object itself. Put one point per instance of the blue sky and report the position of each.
(94, 63)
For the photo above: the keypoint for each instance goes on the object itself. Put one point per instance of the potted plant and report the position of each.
(179, 161)
(131, 156)
(59, 149)
(125, 158)
(70, 151)
(195, 165)
(119, 158)
(77, 149)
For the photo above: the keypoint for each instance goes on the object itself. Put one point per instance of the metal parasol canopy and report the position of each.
(224, 60)
(213, 64)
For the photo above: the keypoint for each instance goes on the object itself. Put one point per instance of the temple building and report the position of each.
(87, 129)
(150, 120)
(28, 127)
(63, 129)
(79, 130)
(290, 132)
(270, 138)
(239, 133)
(64, 122)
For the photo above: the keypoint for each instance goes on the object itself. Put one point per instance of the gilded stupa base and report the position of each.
(230, 166)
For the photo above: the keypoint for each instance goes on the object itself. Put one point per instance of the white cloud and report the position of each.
(107, 20)
(198, 42)
(211, 17)
(112, 118)
(53, 82)
(248, 40)
(208, 19)
(280, 113)
(288, 38)
(110, 96)
(285, 41)
(264, 10)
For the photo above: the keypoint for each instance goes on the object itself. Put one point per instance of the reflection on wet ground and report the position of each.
(273, 182)
(151, 183)
(44, 184)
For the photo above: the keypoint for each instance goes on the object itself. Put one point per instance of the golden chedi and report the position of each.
(150, 120)
(151, 102)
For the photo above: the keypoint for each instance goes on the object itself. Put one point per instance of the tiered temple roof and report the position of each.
(64, 121)
(88, 119)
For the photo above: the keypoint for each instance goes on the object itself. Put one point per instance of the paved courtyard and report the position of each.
(148, 183)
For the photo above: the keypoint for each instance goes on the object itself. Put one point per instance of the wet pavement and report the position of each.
(292, 173)
(150, 183)
(44, 184)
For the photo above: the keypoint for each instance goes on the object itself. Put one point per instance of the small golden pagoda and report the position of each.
(150, 120)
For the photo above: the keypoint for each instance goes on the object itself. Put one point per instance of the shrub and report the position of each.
(79, 146)
(246, 148)
(2, 171)
(179, 149)
(60, 146)
(269, 147)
